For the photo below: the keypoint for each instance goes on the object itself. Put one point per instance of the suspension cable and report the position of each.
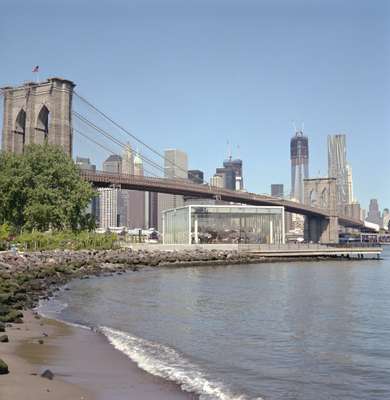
(131, 134)
(107, 149)
(114, 139)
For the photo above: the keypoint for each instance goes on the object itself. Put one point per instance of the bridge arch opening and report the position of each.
(20, 132)
(42, 126)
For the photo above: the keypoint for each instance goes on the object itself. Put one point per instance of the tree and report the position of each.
(5, 232)
(42, 189)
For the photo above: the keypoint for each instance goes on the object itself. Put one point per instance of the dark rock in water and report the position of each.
(4, 339)
(45, 334)
(47, 374)
(40, 341)
(3, 367)
(2, 327)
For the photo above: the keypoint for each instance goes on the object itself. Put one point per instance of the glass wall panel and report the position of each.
(176, 228)
(242, 224)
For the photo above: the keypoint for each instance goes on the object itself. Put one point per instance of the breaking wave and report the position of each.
(167, 363)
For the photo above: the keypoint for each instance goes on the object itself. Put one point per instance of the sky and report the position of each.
(197, 74)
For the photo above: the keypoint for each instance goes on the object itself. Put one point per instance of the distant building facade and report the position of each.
(85, 164)
(235, 165)
(374, 214)
(135, 202)
(217, 181)
(196, 176)
(112, 205)
(175, 166)
(277, 190)
(338, 168)
(108, 206)
(113, 164)
(228, 177)
(93, 208)
(299, 154)
(231, 174)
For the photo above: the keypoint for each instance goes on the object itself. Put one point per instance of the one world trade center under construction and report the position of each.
(299, 148)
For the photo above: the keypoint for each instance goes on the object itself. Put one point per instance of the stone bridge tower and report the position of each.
(321, 193)
(35, 112)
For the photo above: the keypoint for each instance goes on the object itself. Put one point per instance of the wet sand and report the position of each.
(85, 365)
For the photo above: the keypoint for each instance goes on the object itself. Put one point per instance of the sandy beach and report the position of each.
(85, 366)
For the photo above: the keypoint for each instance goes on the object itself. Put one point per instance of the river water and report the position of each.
(304, 330)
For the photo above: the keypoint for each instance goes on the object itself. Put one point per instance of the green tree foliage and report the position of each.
(5, 232)
(42, 190)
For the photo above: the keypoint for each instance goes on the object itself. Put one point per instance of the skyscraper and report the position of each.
(234, 165)
(277, 190)
(299, 152)
(113, 164)
(93, 208)
(175, 166)
(196, 176)
(228, 176)
(128, 160)
(108, 207)
(337, 168)
(152, 210)
(85, 164)
(112, 203)
(136, 199)
(217, 181)
(350, 185)
(374, 214)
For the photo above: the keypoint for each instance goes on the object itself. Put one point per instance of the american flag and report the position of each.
(36, 68)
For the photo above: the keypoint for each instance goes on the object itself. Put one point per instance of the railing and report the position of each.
(290, 247)
(354, 245)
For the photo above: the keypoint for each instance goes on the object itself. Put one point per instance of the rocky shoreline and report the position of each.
(27, 277)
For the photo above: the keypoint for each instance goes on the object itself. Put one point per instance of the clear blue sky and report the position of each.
(194, 74)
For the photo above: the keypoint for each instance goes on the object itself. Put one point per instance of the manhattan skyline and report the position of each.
(195, 76)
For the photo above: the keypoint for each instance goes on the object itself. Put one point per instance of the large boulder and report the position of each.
(4, 339)
(47, 374)
(3, 367)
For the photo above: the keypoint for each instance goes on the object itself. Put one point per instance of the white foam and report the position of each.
(167, 363)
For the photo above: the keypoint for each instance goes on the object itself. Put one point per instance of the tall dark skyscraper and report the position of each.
(231, 173)
(236, 166)
(299, 150)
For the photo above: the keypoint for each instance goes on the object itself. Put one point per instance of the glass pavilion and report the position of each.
(223, 224)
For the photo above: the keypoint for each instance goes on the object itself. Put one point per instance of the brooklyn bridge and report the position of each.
(37, 112)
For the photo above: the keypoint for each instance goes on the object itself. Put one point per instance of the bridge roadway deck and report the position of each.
(187, 188)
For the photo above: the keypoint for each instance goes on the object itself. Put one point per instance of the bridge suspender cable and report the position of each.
(107, 149)
(114, 140)
(128, 132)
